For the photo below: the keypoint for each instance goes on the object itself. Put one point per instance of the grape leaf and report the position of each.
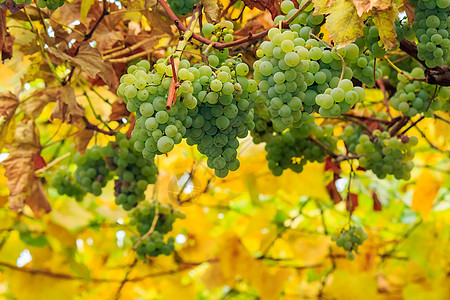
(351, 202)
(211, 10)
(32, 106)
(321, 6)
(410, 11)
(67, 108)
(364, 6)
(91, 62)
(425, 191)
(8, 105)
(376, 202)
(85, 7)
(118, 111)
(83, 137)
(384, 20)
(273, 6)
(6, 40)
(343, 23)
(24, 187)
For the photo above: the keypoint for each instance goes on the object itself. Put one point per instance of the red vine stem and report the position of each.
(251, 37)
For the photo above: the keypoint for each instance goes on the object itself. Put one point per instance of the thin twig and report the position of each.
(385, 97)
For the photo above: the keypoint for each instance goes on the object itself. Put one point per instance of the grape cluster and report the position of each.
(220, 32)
(415, 97)
(182, 7)
(154, 244)
(372, 40)
(351, 135)
(224, 114)
(157, 129)
(263, 131)
(350, 240)
(363, 69)
(298, 75)
(92, 173)
(50, 4)
(294, 148)
(305, 18)
(384, 154)
(340, 99)
(65, 185)
(431, 23)
(134, 172)
(14, 5)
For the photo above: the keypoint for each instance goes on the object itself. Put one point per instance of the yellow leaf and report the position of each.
(70, 214)
(343, 23)
(426, 190)
(364, 6)
(85, 7)
(363, 286)
(384, 20)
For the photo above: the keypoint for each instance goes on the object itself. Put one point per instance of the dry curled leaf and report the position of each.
(92, 63)
(410, 11)
(82, 137)
(271, 5)
(20, 165)
(333, 192)
(32, 106)
(376, 202)
(351, 202)
(364, 6)
(6, 40)
(118, 111)
(67, 108)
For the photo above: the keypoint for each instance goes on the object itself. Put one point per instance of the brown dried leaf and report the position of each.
(211, 10)
(376, 202)
(271, 5)
(8, 105)
(330, 165)
(157, 17)
(6, 40)
(255, 25)
(91, 62)
(24, 187)
(410, 11)
(333, 192)
(33, 105)
(67, 108)
(363, 6)
(118, 111)
(351, 202)
(83, 137)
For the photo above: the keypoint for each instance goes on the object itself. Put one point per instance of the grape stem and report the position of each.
(251, 37)
(175, 59)
(385, 96)
(91, 126)
(336, 157)
(343, 65)
(152, 228)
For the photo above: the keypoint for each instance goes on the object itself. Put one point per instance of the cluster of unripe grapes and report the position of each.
(134, 172)
(154, 244)
(350, 240)
(305, 18)
(92, 173)
(416, 97)
(371, 40)
(383, 154)
(220, 32)
(363, 69)
(214, 107)
(298, 74)
(294, 148)
(432, 20)
(66, 185)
